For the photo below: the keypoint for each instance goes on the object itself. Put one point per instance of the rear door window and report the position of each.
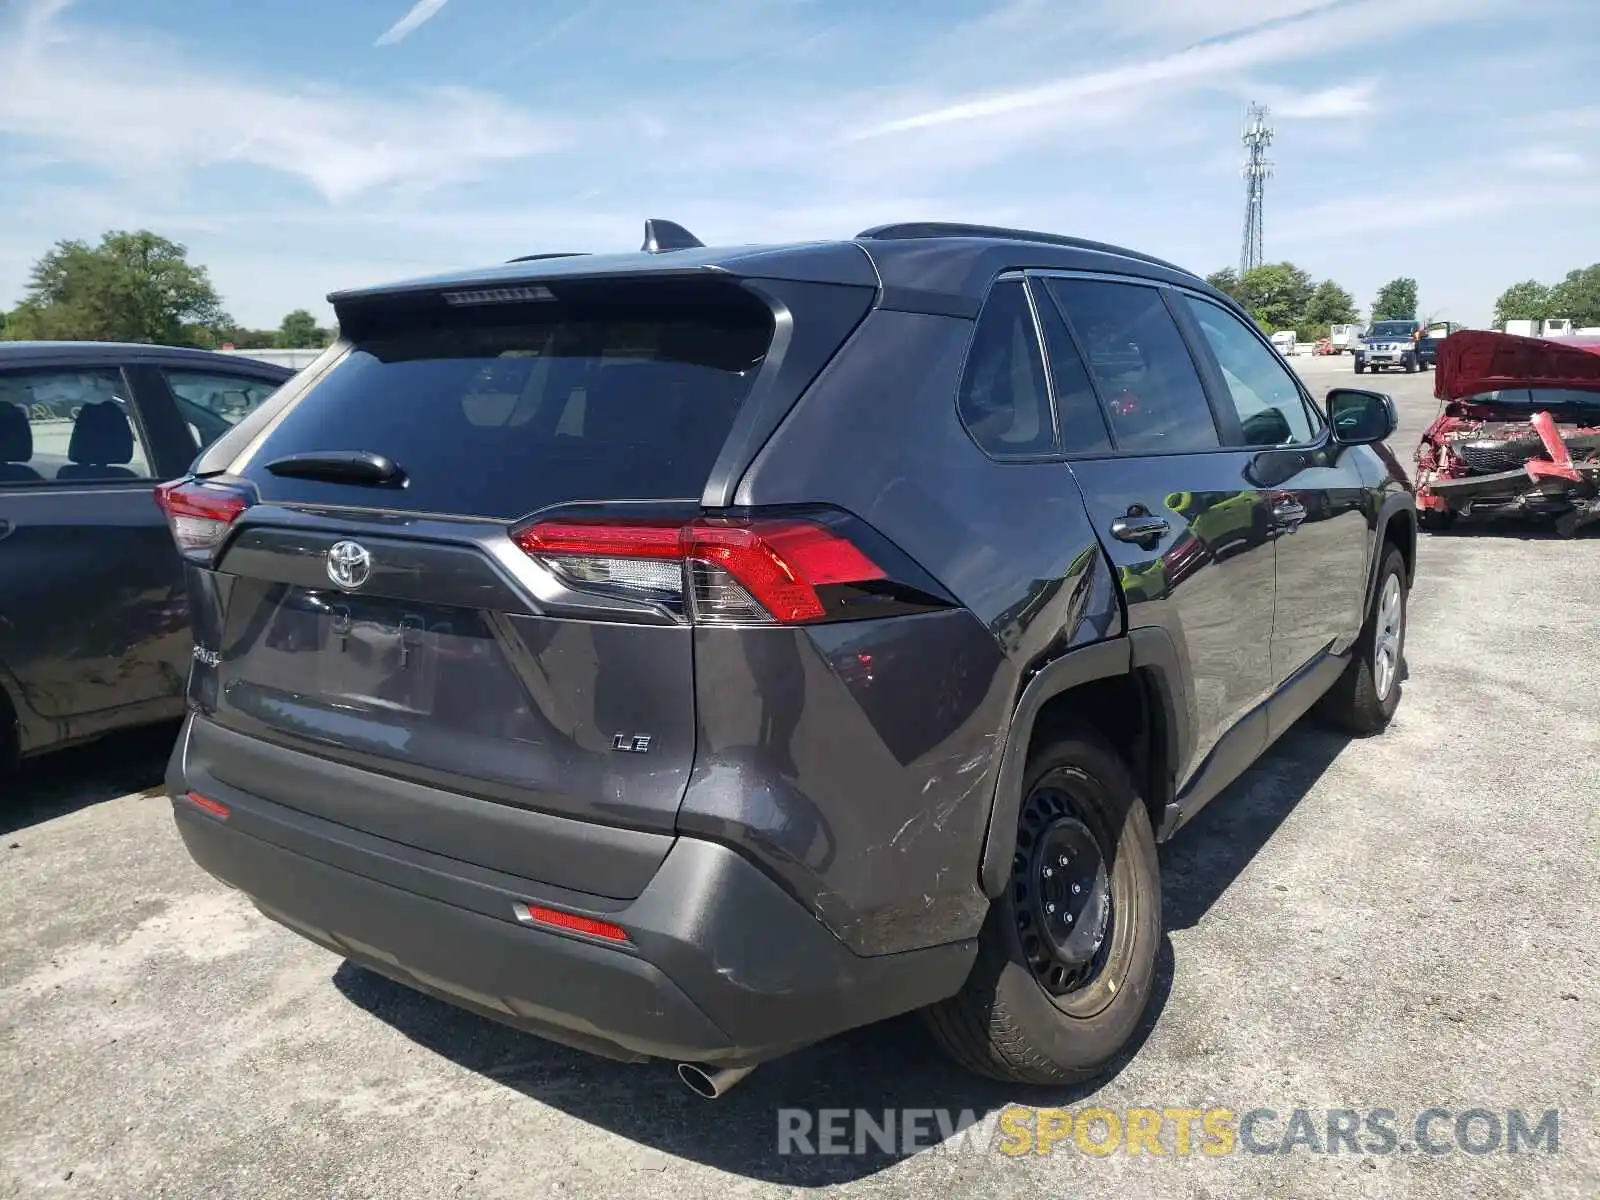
(1141, 364)
(212, 402)
(502, 409)
(1083, 425)
(69, 425)
(1004, 401)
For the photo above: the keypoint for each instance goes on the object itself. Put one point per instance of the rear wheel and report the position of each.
(1067, 956)
(1363, 699)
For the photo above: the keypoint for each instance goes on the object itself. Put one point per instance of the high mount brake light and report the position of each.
(762, 571)
(200, 514)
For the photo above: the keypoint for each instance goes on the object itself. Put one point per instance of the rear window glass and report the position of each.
(498, 410)
(1143, 368)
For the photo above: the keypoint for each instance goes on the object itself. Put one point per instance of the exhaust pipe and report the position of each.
(711, 1082)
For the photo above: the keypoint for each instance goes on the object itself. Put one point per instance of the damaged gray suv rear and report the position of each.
(695, 653)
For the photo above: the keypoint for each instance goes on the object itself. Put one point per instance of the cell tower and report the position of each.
(1257, 137)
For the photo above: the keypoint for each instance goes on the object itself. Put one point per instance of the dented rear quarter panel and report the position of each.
(858, 762)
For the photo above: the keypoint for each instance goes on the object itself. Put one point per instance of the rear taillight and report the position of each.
(200, 514)
(781, 571)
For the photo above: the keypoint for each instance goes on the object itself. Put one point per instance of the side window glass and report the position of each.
(1083, 425)
(1271, 409)
(1139, 359)
(1003, 399)
(212, 403)
(68, 425)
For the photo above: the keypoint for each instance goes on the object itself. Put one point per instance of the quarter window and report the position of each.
(1003, 401)
(1151, 389)
(68, 426)
(1271, 409)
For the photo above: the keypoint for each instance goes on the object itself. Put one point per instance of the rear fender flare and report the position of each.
(1147, 649)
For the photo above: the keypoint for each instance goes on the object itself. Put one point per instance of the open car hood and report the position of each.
(1475, 361)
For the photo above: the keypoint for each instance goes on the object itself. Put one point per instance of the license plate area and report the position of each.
(371, 652)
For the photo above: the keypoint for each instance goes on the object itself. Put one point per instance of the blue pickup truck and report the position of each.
(1391, 344)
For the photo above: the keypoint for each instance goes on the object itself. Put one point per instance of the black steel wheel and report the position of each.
(1066, 960)
(1064, 905)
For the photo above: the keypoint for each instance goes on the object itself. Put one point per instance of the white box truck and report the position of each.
(1344, 338)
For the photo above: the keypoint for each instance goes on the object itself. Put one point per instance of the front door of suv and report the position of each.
(1173, 505)
(1317, 497)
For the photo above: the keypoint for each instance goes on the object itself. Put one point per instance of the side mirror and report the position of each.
(1360, 418)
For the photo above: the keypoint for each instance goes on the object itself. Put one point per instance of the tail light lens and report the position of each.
(200, 515)
(780, 571)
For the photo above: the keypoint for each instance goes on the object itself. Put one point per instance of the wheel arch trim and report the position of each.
(1149, 650)
(1398, 506)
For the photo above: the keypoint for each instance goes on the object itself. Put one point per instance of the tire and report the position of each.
(1360, 367)
(1411, 365)
(1362, 701)
(1431, 520)
(1004, 1024)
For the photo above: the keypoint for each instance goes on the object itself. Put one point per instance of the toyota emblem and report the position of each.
(349, 565)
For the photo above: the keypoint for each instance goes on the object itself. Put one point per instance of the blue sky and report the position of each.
(310, 146)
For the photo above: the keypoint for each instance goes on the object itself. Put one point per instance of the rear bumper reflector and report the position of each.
(532, 914)
(204, 804)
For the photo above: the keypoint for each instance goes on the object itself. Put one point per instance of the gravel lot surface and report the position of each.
(1405, 923)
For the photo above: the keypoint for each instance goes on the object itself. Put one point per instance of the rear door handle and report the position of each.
(6, 529)
(1142, 531)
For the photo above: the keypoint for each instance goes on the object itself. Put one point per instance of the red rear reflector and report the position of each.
(532, 914)
(207, 805)
(199, 514)
(776, 565)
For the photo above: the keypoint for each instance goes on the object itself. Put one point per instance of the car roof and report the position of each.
(14, 354)
(921, 266)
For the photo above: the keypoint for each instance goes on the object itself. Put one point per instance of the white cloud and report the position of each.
(1346, 100)
(139, 110)
(1318, 33)
(1211, 18)
(1549, 160)
(419, 13)
(1429, 204)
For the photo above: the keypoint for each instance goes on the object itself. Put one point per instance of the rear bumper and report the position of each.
(722, 965)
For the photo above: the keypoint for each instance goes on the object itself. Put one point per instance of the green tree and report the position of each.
(1578, 297)
(132, 287)
(1525, 301)
(299, 331)
(1329, 305)
(1276, 294)
(1397, 301)
(1226, 281)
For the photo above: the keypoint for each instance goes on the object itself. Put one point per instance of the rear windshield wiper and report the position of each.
(341, 466)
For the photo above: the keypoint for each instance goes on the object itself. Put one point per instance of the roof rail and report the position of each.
(661, 236)
(906, 230)
(550, 254)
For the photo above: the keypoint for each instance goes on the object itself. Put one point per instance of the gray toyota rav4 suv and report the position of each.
(694, 653)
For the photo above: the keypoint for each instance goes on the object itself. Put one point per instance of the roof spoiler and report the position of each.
(661, 236)
(548, 254)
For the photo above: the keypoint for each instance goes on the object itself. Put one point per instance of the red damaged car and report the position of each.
(1519, 434)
